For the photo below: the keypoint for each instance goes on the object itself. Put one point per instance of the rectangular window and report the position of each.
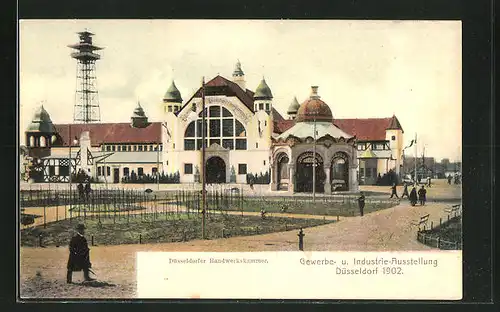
(108, 148)
(119, 148)
(161, 147)
(135, 148)
(108, 171)
(227, 128)
(228, 143)
(140, 171)
(256, 145)
(124, 148)
(361, 172)
(242, 168)
(52, 170)
(267, 106)
(198, 128)
(113, 148)
(126, 171)
(129, 148)
(98, 171)
(169, 108)
(215, 128)
(241, 144)
(154, 170)
(214, 111)
(188, 168)
(140, 148)
(64, 170)
(261, 106)
(264, 162)
(189, 144)
(198, 144)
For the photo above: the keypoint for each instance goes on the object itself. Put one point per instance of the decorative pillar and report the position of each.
(274, 185)
(353, 180)
(291, 183)
(328, 185)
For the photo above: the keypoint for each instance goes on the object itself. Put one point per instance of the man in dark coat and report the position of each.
(80, 190)
(421, 195)
(79, 258)
(393, 188)
(413, 196)
(449, 179)
(87, 191)
(361, 203)
(405, 191)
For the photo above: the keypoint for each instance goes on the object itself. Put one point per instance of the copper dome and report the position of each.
(314, 109)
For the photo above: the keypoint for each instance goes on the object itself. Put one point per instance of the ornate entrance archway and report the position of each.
(339, 172)
(216, 170)
(304, 175)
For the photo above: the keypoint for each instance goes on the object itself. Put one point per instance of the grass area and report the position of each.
(164, 229)
(448, 233)
(322, 206)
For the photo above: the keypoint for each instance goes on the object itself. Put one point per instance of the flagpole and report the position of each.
(416, 158)
(203, 181)
(314, 162)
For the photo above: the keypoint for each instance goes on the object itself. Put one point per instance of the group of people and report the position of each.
(84, 191)
(412, 196)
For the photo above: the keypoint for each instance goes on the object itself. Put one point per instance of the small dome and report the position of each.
(138, 111)
(172, 94)
(263, 91)
(237, 69)
(294, 106)
(314, 109)
(41, 121)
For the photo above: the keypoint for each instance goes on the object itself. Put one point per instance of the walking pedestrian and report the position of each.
(79, 258)
(422, 195)
(394, 193)
(449, 179)
(428, 181)
(87, 190)
(405, 191)
(413, 196)
(361, 203)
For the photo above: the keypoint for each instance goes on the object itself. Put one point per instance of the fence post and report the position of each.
(337, 217)
(440, 222)
(92, 240)
(438, 239)
(432, 225)
(140, 239)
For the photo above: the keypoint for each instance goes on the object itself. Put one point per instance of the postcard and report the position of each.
(240, 159)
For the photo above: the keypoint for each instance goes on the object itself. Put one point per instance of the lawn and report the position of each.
(161, 229)
(449, 234)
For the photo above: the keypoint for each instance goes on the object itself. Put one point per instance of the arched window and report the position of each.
(43, 142)
(223, 129)
(32, 141)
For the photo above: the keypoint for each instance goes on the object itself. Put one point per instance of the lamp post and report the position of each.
(314, 159)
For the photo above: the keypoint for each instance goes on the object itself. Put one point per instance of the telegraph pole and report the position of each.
(314, 161)
(416, 158)
(70, 141)
(203, 175)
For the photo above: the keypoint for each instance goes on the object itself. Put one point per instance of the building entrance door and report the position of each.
(216, 170)
(304, 175)
(116, 175)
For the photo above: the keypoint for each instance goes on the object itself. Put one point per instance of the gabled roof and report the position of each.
(369, 129)
(120, 133)
(222, 86)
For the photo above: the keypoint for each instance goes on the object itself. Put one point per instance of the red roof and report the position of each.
(100, 133)
(368, 129)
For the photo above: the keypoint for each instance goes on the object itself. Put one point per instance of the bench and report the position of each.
(423, 221)
(453, 209)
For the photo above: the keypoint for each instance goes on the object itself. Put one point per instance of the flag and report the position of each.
(411, 143)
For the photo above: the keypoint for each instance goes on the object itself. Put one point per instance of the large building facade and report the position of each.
(244, 134)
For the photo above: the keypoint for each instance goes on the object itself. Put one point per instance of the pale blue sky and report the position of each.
(363, 68)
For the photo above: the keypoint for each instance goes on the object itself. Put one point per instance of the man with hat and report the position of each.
(79, 258)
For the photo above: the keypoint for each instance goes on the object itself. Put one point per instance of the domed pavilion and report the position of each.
(314, 142)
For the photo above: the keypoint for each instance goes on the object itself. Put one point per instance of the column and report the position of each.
(328, 185)
(291, 182)
(273, 185)
(353, 180)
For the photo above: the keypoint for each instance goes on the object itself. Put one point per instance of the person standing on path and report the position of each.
(405, 191)
(428, 181)
(361, 203)
(394, 193)
(449, 179)
(79, 258)
(413, 196)
(422, 195)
